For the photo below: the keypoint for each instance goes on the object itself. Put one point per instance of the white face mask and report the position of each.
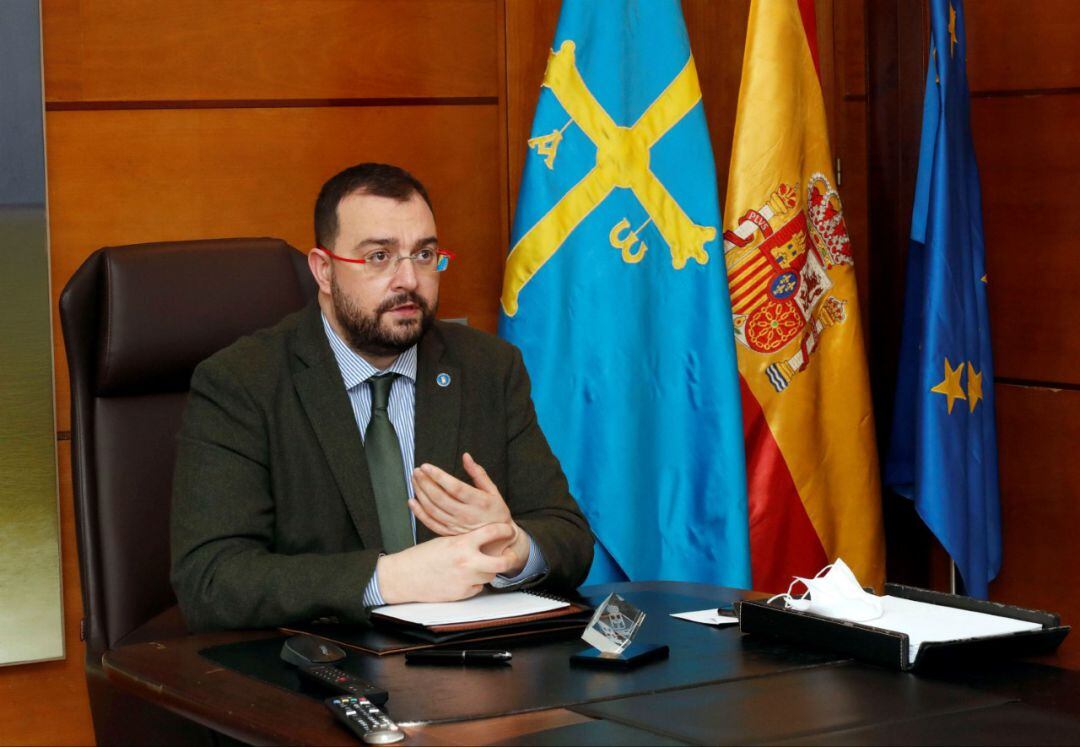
(834, 592)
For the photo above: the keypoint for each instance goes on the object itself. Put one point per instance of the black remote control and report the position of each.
(364, 719)
(342, 681)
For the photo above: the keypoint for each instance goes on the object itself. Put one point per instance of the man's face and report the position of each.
(383, 314)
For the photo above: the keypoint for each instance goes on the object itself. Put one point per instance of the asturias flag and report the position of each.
(616, 293)
(812, 466)
(943, 453)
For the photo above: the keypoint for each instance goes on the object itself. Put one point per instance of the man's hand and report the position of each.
(447, 569)
(448, 507)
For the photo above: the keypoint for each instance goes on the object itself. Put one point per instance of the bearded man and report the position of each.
(361, 453)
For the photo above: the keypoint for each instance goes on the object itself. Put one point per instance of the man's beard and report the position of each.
(365, 333)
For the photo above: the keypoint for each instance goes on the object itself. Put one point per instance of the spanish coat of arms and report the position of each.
(778, 262)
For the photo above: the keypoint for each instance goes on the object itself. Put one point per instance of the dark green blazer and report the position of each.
(273, 517)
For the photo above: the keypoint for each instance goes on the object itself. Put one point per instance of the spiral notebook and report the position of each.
(487, 616)
(487, 608)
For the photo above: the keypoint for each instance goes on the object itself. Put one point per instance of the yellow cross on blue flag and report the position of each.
(616, 292)
(943, 451)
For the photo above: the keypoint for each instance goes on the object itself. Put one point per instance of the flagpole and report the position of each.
(952, 576)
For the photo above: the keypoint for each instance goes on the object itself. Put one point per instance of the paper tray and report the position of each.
(890, 649)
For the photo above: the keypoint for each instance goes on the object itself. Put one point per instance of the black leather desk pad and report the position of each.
(791, 705)
(597, 733)
(541, 675)
(1039, 685)
(1008, 724)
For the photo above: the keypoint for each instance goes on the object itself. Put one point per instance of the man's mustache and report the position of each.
(400, 300)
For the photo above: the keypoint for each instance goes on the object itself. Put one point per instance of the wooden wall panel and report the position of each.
(825, 17)
(121, 177)
(530, 29)
(29, 692)
(1022, 45)
(1025, 77)
(1038, 430)
(1028, 159)
(717, 36)
(134, 50)
(849, 145)
(850, 26)
(201, 118)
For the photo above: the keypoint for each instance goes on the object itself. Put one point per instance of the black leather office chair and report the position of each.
(136, 321)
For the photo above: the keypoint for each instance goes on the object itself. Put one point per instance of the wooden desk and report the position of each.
(172, 674)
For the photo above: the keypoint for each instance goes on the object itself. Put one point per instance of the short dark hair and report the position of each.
(379, 179)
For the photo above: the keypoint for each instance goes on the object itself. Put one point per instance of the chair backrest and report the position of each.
(136, 321)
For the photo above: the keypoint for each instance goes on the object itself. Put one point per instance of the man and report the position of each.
(361, 453)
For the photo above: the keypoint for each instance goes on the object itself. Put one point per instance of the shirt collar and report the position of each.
(355, 370)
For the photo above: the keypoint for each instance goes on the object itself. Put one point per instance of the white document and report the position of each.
(706, 617)
(484, 606)
(931, 622)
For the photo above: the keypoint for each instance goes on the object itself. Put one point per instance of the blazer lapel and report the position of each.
(322, 393)
(438, 411)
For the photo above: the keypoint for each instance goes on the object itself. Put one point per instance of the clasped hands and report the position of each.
(477, 539)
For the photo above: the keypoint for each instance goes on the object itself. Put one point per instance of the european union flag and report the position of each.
(616, 292)
(943, 452)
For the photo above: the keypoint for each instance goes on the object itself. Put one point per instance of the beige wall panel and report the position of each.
(1028, 160)
(124, 177)
(1038, 430)
(113, 50)
(27, 717)
(1022, 44)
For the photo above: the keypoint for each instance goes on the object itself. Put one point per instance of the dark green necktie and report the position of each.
(387, 470)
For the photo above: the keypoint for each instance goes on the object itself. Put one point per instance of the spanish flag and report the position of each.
(812, 467)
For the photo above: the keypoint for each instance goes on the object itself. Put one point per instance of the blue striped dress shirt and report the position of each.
(355, 371)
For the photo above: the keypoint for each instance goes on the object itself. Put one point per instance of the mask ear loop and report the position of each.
(824, 570)
(787, 594)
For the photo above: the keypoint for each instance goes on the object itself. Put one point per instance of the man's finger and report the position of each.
(478, 474)
(440, 507)
(490, 533)
(425, 518)
(454, 487)
(493, 564)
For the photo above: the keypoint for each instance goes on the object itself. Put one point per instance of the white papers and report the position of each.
(931, 622)
(485, 606)
(706, 617)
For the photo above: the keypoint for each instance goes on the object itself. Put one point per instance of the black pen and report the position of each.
(445, 656)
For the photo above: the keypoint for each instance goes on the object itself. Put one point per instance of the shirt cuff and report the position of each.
(534, 566)
(372, 597)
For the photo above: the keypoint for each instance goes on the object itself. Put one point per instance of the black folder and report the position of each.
(390, 636)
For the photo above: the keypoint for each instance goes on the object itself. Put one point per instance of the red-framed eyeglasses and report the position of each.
(382, 261)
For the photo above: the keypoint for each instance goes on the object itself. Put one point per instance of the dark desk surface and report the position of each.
(173, 674)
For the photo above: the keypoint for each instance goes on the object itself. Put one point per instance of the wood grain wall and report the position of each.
(199, 119)
(1024, 78)
(1025, 101)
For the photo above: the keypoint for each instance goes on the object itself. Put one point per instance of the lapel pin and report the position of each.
(443, 380)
